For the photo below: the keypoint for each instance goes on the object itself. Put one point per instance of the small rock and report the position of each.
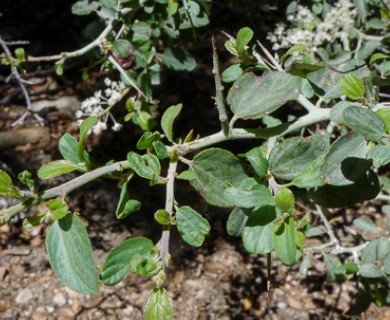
(24, 296)
(247, 304)
(294, 303)
(59, 299)
(65, 313)
(3, 271)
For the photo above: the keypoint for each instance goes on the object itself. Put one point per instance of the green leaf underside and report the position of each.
(216, 169)
(258, 162)
(126, 205)
(192, 226)
(252, 97)
(117, 263)
(168, 118)
(257, 233)
(68, 146)
(345, 162)
(244, 35)
(325, 81)
(366, 225)
(158, 305)
(57, 168)
(336, 113)
(365, 122)
(146, 166)
(328, 196)
(70, 255)
(236, 221)
(178, 59)
(385, 116)
(289, 158)
(284, 241)
(380, 155)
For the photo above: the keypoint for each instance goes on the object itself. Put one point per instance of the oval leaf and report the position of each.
(345, 163)
(257, 196)
(364, 122)
(57, 168)
(366, 225)
(257, 233)
(117, 264)
(236, 221)
(216, 169)
(352, 86)
(126, 205)
(380, 155)
(168, 118)
(284, 241)
(291, 157)
(147, 166)
(192, 226)
(244, 35)
(70, 255)
(58, 209)
(158, 305)
(253, 97)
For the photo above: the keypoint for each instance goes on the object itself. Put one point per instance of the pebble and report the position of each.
(59, 299)
(294, 303)
(24, 296)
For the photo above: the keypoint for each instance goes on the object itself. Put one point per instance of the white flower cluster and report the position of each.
(307, 29)
(95, 106)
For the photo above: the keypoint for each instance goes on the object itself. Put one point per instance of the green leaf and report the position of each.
(68, 146)
(366, 225)
(160, 149)
(122, 48)
(236, 221)
(380, 155)
(345, 162)
(284, 241)
(371, 271)
(147, 140)
(258, 231)
(352, 87)
(253, 97)
(302, 69)
(85, 126)
(311, 176)
(256, 196)
(168, 118)
(141, 32)
(117, 263)
(59, 67)
(385, 116)
(370, 252)
(258, 161)
(365, 122)
(328, 196)
(332, 264)
(143, 265)
(300, 47)
(162, 217)
(383, 247)
(158, 305)
(325, 81)
(57, 168)
(26, 178)
(336, 113)
(192, 226)
(385, 13)
(58, 209)
(292, 156)
(284, 199)
(30, 223)
(172, 7)
(230, 46)
(244, 35)
(378, 56)
(126, 205)
(147, 166)
(232, 73)
(192, 16)
(305, 265)
(111, 4)
(178, 59)
(84, 7)
(186, 175)
(216, 169)
(70, 255)
(7, 189)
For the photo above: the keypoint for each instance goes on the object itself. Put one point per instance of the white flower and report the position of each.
(307, 30)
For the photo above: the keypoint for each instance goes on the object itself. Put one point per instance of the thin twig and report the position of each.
(126, 76)
(219, 91)
(77, 53)
(270, 57)
(327, 225)
(169, 202)
(15, 73)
